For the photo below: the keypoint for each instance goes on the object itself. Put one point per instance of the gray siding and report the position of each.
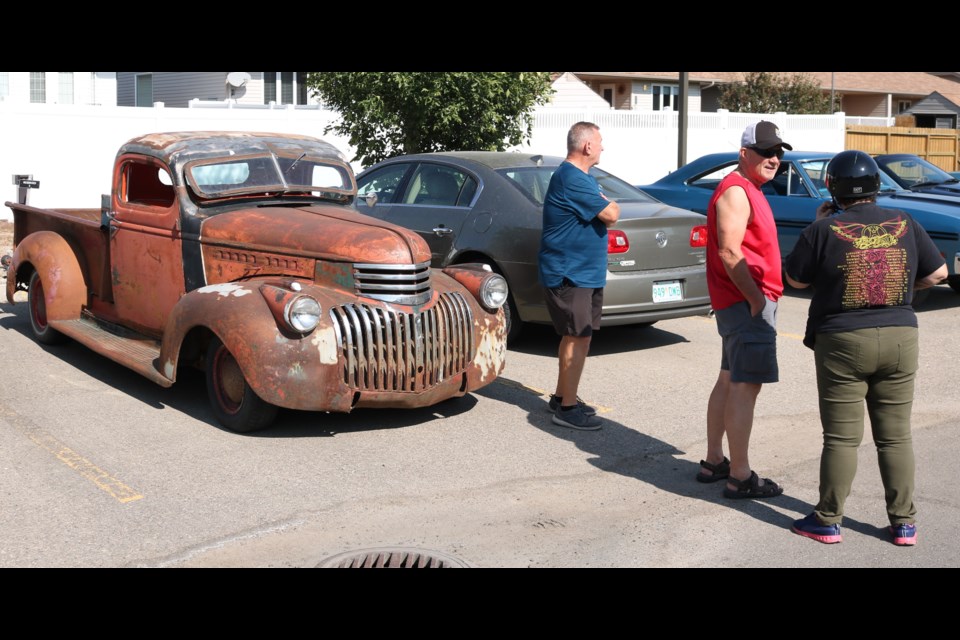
(177, 89)
(126, 81)
(174, 89)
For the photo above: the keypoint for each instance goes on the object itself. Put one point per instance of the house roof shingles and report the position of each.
(915, 84)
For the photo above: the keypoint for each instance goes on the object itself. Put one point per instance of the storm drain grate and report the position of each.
(393, 558)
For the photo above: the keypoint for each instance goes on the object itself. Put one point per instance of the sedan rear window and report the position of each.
(533, 182)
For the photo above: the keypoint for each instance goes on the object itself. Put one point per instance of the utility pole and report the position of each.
(682, 121)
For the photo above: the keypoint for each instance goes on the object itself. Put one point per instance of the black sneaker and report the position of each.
(576, 418)
(555, 404)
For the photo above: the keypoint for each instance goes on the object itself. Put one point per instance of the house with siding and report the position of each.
(868, 93)
(177, 89)
(59, 87)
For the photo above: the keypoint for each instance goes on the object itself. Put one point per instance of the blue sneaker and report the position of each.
(555, 404)
(904, 535)
(810, 527)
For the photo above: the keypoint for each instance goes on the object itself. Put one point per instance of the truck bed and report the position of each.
(79, 227)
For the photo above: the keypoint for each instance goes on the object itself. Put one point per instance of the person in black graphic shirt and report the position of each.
(864, 263)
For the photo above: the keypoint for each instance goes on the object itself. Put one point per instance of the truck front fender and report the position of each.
(65, 291)
(283, 368)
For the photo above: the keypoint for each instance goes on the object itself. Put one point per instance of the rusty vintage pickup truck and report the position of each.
(242, 254)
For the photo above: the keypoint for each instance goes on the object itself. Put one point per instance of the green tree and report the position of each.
(390, 113)
(765, 92)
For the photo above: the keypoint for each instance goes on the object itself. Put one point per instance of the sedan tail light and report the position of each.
(698, 236)
(617, 241)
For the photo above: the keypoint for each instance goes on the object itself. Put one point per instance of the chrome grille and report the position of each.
(400, 283)
(385, 350)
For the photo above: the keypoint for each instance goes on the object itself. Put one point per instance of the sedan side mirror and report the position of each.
(371, 198)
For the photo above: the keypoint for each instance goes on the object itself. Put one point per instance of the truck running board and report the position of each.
(139, 353)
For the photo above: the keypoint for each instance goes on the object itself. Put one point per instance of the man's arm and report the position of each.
(733, 215)
(610, 214)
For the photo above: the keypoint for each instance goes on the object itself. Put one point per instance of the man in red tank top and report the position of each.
(744, 280)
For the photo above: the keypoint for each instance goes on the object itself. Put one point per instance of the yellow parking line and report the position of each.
(88, 470)
(121, 492)
(794, 336)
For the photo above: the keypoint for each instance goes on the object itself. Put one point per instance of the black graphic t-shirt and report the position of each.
(862, 265)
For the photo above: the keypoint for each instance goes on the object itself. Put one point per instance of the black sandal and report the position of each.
(720, 471)
(751, 488)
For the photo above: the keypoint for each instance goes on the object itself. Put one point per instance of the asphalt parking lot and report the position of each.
(102, 468)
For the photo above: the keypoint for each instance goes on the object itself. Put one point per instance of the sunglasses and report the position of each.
(767, 153)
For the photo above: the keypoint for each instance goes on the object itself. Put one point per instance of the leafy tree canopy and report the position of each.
(390, 113)
(766, 92)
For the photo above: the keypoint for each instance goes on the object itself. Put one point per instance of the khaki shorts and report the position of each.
(575, 311)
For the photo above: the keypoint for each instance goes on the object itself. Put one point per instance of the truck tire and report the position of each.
(235, 404)
(42, 332)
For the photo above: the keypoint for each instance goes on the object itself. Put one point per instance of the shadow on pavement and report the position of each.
(617, 448)
(188, 395)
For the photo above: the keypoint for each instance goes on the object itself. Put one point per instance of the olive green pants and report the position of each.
(879, 366)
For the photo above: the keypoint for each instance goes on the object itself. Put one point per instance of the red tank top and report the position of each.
(760, 248)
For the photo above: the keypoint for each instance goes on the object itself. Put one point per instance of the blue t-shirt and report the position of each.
(574, 241)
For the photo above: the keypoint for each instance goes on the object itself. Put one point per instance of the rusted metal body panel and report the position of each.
(364, 353)
(164, 263)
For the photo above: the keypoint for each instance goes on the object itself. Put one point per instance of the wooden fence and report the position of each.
(938, 146)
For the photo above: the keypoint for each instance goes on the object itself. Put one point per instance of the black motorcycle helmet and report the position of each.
(852, 175)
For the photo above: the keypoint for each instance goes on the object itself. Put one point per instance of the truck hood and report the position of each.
(316, 231)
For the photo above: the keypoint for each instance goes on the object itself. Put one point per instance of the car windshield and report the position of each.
(816, 170)
(269, 174)
(533, 182)
(915, 172)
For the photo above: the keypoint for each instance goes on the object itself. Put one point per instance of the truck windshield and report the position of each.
(269, 174)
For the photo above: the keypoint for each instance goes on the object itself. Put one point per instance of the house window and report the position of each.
(666, 97)
(66, 87)
(4, 84)
(144, 90)
(38, 86)
(903, 105)
(608, 91)
(292, 87)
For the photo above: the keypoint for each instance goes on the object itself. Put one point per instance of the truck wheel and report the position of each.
(235, 404)
(44, 333)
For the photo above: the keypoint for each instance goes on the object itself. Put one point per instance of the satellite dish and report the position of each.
(237, 78)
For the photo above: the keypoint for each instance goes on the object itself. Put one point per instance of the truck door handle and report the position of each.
(442, 231)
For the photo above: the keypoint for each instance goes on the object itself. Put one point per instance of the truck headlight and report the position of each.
(302, 314)
(493, 291)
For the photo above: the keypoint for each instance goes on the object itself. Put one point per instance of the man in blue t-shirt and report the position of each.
(573, 267)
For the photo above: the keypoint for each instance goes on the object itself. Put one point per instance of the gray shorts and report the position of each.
(749, 344)
(575, 311)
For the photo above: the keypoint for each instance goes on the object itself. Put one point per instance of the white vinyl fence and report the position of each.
(70, 149)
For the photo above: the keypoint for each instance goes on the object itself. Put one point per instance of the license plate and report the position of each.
(668, 291)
